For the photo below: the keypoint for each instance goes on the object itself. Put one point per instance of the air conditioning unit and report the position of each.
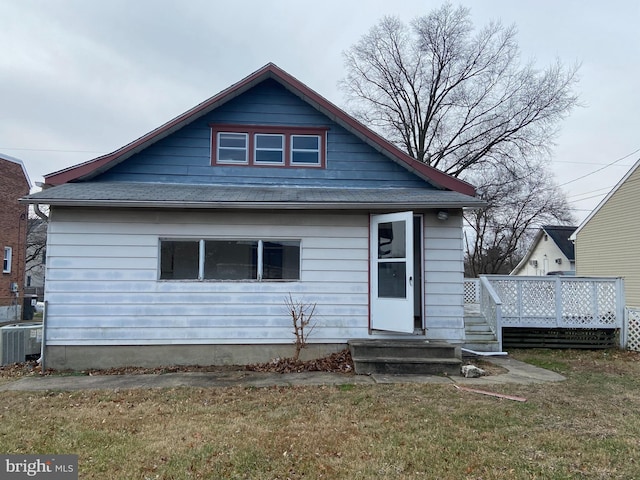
(18, 341)
(533, 263)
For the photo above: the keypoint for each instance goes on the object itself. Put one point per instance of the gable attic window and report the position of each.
(269, 146)
(232, 148)
(269, 149)
(305, 149)
(229, 260)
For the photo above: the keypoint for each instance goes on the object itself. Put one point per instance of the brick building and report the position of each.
(14, 184)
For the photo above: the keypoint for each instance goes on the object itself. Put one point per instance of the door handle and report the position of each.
(411, 281)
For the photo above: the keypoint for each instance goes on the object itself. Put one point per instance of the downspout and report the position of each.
(42, 345)
(36, 209)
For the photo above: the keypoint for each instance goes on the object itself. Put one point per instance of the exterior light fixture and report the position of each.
(443, 215)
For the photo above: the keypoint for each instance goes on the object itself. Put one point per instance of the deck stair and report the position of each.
(478, 334)
(417, 357)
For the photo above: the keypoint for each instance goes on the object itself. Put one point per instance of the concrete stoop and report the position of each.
(417, 357)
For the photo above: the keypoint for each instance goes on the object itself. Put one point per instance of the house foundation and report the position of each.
(152, 356)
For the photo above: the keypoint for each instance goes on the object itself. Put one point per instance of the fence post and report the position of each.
(621, 312)
(557, 291)
(519, 299)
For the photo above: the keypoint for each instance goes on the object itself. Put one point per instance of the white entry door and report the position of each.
(391, 261)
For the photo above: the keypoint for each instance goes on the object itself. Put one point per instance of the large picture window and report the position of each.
(269, 146)
(217, 259)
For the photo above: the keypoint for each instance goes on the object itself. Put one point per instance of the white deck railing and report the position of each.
(491, 308)
(632, 329)
(553, 302)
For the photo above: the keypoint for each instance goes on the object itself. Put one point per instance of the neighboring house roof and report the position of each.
(120, 194)
(560, 235)
(606, 199)
(92, 168)
(19, 162)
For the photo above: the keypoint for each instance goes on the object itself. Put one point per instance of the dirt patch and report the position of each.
(339, 362)
(489, 368)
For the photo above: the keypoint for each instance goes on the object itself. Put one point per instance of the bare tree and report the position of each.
(36, 243)
(303, 318)
(453, 97)
(460, 100)
(518, 202)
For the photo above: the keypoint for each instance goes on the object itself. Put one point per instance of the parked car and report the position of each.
(570, 273)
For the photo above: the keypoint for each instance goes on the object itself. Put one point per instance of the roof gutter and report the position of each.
(248, 205)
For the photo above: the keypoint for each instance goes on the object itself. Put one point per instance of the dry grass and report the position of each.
(586, 427)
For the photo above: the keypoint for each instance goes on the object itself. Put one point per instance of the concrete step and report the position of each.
(482, 346)
(402, 348)
(405, 357)
(478, 328)
(479, 336)
(474, 320)
(407, 365)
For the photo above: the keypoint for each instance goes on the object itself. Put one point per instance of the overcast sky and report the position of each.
(81, 78)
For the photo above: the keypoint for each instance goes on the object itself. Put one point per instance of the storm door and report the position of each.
(392, 282)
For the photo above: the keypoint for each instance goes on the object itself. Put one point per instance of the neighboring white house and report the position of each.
(181, 247)
(551, 252)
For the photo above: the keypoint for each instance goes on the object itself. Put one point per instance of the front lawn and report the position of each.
(586, 427)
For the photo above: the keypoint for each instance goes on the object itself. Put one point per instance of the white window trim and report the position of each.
(256, 149)
(201, 259)
(8, 256)
(318, 150)
(246, 149)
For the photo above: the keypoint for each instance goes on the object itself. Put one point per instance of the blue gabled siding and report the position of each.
(185, 157)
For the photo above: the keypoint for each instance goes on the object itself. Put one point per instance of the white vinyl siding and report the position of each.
(103, 289)
(608, 244)
(444, 278)
(543, 259)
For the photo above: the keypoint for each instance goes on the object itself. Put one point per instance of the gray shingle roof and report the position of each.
(560, 235)
(224, 196)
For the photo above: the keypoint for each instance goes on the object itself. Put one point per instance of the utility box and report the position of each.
(29, 307)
